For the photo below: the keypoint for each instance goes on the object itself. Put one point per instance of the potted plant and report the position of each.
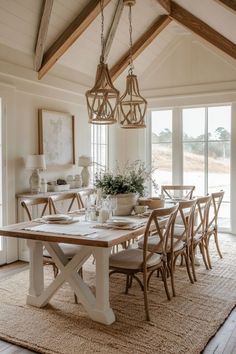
(127, 184)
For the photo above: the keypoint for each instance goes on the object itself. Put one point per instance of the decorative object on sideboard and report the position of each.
(44, 186)
(103, 98)
(35, 163)
(77, 181)
(56, 138)
(132, 105)
(58, 186)
(85, 162)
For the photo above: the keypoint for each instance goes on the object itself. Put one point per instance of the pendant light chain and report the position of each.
(103, 99)
(102, 31)
(130, 42)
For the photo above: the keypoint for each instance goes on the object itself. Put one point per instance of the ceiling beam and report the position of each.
(112, 30)
(230, 4)
(42, 33)
(202, 29)
(166, 4)
(139, 46)
(70, 35)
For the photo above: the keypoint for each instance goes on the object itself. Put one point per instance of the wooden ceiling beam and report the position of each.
(200, 28)
(230, 4)
(70, 35)
(166, 4)
(112, 30)
(139, 46)
(42, 33)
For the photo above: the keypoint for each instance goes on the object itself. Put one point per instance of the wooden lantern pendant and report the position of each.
(132, 105)
(103, 98)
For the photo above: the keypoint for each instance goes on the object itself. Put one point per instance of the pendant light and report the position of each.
(132, 105)
(103, 98)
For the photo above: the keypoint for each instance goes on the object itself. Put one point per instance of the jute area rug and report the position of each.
(182, 325)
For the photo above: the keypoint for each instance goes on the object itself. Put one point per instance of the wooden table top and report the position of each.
(103, 238)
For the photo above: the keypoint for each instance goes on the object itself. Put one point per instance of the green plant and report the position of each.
(132, 178)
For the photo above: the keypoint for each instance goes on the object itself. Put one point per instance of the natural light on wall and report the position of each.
(162, 146)
(99, 148)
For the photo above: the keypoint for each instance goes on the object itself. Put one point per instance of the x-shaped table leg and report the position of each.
(98, 307)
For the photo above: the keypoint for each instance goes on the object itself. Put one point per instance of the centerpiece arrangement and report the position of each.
(127, 184)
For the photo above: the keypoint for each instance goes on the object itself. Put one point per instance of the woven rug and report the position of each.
(182, 325)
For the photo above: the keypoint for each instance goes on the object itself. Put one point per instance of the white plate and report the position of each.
(56, 217)
(119, 222)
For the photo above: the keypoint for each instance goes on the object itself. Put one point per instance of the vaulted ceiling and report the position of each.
(68, 33)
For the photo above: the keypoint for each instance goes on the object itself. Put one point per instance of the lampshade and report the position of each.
(35, 162)
(84, 161)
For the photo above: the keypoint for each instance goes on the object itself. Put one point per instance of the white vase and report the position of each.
(125, 204)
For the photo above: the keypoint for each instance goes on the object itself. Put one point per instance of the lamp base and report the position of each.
(34, 182)
(85, 176)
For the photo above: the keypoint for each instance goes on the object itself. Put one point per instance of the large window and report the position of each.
(99, 148)
(162, 146)
(206, 147)
(201, 139)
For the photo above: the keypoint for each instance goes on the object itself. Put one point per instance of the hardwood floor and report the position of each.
(224, 342)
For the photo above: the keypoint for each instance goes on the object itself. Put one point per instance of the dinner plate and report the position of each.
(56, 217)
(119, 222)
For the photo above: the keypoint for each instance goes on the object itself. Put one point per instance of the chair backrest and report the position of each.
(27, 204)
(217, 198)
(187, 210)
(73, 199)
(201, 219)
(177, 191)
(155, 223)
(83, 195)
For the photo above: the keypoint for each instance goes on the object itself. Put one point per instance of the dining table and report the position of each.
(94, 239)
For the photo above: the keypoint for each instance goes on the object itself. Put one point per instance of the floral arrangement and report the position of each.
(132, 178)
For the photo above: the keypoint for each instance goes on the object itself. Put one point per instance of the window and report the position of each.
(193, 146)
(206, 150)
(162, 146)
(99, 148)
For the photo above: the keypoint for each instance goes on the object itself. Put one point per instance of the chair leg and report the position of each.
(217, 244)
(202, 249)
(127, 283)
(206, 244)
(145, 295)
(186, 257)
(192, 257)
(163, 273)
(55, 270)
(171, 268)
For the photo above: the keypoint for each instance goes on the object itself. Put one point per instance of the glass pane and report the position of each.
(219, 123)
(194, 166)
(162, 160)
(194, 124)
(219, 168)
(161, 126)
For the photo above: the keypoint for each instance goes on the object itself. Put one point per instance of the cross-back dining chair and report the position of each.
(30, 203)
(134, 261)
(199, 231)
(45, 204)
(47, 208)
(212, 227)
(72, 199)
(180, 243)
(175, 192)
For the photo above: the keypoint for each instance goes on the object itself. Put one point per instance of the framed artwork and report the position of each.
(56, 137)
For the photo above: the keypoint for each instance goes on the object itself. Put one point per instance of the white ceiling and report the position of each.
(19, 20)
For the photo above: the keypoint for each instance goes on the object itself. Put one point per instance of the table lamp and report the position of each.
(85, 161)
(35, 163)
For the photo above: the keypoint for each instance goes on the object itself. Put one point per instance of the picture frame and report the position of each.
(56, 137)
